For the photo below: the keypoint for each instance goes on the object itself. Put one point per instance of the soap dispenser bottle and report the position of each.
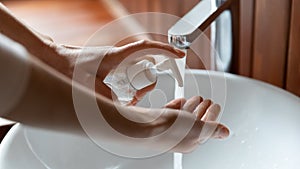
(126, 81)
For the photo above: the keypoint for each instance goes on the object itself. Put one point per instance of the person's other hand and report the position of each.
(107, 58)
(206, 113)
(200, 114)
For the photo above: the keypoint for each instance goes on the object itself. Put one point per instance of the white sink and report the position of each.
(264, 119)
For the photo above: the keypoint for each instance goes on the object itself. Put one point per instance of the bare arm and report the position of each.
(38, 45)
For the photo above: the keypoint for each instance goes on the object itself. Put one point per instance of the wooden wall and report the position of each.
(270, 43)
(293, 60)
(267, 36)
(276, 42)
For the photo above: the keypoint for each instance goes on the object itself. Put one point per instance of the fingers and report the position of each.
(200, 133)
(192, 103)
(133, 102)
(146, 44)
(176, 103)
(141, 93)
(200, 111)
(212, 113)
(203, 109)
(221, 132)
(207, 112)
(212, 130)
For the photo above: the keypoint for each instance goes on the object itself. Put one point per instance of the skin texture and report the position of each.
(50, 81)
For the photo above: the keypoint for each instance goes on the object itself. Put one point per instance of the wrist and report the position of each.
(49, 54)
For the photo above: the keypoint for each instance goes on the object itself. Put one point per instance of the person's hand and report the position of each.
(107, 58)
(206, 113)
(201, 115)
(116, 56)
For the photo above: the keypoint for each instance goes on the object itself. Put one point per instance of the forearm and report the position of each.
(90, 60)
(33, 93)
(39, 46)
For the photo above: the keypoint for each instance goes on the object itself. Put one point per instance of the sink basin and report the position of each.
(264, 121)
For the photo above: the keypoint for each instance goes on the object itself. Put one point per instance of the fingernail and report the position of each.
(222, 133)
(180, 52)
(225, 132)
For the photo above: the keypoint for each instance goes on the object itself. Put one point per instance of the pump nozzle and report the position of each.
(170, 64)
(143, 74)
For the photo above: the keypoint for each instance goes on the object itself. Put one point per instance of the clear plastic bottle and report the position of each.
(126, 81)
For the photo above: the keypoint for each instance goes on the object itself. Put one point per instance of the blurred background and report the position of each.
(265, 33)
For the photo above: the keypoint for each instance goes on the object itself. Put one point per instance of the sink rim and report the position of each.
(9, 137)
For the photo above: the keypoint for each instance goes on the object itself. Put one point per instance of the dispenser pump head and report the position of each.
(144, 73)
(170, 64)
(141, 74)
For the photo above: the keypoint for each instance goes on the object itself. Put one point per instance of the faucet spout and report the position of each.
(191, 25)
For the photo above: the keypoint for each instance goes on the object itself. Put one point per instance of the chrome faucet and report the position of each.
(191, 25)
